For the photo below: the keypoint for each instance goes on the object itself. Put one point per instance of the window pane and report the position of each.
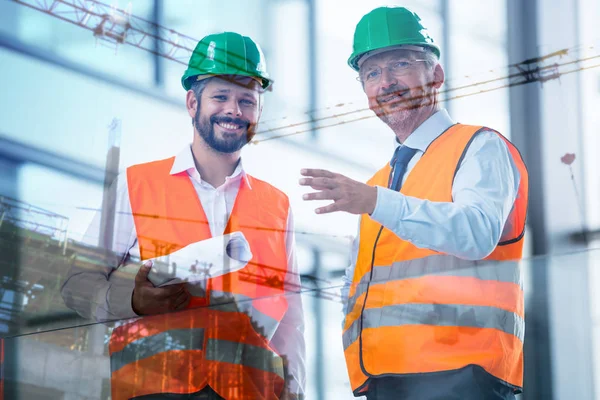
(74, 43)
(478, 53)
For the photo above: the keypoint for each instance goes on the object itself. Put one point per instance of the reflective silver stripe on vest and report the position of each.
(438, 315)
(235, 302)
(440, 265)
(244, 354)
(175, 339)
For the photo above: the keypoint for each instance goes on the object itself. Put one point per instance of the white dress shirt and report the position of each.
(104, 295)
(483, 192)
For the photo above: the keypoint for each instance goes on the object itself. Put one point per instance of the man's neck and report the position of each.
(213, 166)
(404, 131)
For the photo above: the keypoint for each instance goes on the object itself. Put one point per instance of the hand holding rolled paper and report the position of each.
(202, 260)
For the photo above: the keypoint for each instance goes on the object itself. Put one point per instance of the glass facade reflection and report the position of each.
(62, 88)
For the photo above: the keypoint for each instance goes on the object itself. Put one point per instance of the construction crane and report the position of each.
(113, 27)
(116, 26)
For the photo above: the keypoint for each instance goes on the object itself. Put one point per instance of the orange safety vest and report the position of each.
(413, 310)
(221, 340)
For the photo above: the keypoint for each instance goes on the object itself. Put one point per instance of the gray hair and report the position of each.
(432, 59)
(198, 87)
(410, 52)
(426, 54)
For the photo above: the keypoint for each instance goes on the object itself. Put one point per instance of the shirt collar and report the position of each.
(184, 161)
(429, 130)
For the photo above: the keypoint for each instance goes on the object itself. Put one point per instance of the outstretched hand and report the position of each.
(347, 194)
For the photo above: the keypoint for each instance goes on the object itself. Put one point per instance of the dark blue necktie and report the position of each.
(400, 160)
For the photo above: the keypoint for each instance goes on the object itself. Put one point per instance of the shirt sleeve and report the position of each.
(484, 191)
(94, 289)
(288, 339)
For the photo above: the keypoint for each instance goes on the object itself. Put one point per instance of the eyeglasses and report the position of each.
(396, 68)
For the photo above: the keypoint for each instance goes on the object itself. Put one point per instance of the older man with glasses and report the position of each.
(425, 317)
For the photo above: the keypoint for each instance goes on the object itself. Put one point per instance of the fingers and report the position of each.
(318, 183)
(169, 291)
(148, 299)
(328, 209)
(181, 301)
(142, 275)
(324, 195)
(317, 173)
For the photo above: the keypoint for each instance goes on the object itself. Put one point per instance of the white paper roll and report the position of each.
(202, 260)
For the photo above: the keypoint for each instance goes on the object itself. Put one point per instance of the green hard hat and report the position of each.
(389, 26)
(226, 53)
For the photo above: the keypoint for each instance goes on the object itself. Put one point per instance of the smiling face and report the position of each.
(401, 86)
(227, 113)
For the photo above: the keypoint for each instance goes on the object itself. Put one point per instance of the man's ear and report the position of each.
(191, 103)
(438, 76)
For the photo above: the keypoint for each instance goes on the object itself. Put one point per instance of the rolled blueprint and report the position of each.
(199, 261)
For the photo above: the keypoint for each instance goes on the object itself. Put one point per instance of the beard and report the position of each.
(400, 113)
(230, 143)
